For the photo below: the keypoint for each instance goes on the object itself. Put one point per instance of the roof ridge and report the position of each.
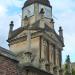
(7, 53)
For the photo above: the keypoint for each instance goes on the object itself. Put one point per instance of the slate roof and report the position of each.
(7, 53)
(44, 2)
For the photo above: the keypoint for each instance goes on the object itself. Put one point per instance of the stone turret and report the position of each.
(11, 29)
(61, 33)
(52, 23)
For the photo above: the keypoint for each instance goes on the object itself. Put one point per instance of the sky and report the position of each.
(63, 14)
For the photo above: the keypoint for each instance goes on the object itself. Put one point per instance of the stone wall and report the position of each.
(23, 45)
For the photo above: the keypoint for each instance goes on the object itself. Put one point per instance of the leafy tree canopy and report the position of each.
(73, 72)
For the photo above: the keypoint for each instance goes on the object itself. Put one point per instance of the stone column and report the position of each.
(45, 56)
(42, 60)
(29, 40)
(57, 61)
(42, 49)
(50, 55)
(36, 11)
(51, 58)
(56, 57)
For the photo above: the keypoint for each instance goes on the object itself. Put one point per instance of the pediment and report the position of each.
(24, 33)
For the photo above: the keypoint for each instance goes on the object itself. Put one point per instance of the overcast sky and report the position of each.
(64, 15)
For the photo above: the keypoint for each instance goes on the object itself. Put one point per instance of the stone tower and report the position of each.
(36, 43)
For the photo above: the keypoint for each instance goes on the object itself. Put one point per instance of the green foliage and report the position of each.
(68, 59)
(66, 73)
(73, 72)
(67, 66)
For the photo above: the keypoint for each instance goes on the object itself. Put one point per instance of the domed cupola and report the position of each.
(32, 9)
(44, 2)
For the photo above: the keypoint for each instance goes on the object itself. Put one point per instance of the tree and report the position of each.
(68, 66)
(73, 72)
